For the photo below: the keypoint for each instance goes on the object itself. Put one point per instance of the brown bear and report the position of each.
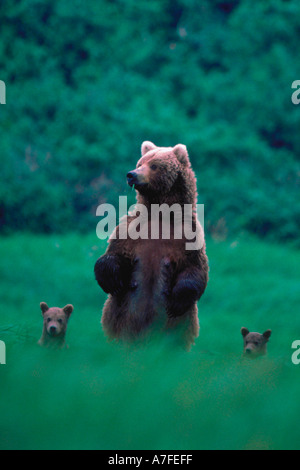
(155, 280)
(255, 344)
(55, 325)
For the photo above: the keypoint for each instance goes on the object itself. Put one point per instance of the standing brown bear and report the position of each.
(155, 279)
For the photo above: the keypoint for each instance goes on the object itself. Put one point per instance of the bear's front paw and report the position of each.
(108, 275)
(183, 297)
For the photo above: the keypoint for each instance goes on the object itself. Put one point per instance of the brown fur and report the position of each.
(255, 344)
(155, 281)
(54, 325)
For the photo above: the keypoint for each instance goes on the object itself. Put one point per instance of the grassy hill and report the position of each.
(103, 395)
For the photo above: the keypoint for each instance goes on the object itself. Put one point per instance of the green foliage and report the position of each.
(87, 82)
(103, 395)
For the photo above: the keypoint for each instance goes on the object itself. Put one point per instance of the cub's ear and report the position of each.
(147, 146)
(267, 334)
(44, 307)
(182, 154)
(244, 331)
(68, 309)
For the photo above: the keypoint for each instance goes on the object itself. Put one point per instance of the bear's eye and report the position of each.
(153, 167)
(59, 320)
(48, 319)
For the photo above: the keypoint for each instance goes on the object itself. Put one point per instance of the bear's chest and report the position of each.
(155, 266)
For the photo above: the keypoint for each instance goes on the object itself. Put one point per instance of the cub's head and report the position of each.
(158, 168)
(255, 344)
(56, 319)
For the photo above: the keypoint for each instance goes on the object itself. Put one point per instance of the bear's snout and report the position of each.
(52, 330)
(55, 328)
(132, 178)
(137, 177)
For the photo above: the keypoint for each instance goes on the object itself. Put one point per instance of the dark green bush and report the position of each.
(87, 82)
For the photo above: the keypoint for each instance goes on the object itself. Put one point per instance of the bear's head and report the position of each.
(255, 344)
(56, 319)
(161, 170)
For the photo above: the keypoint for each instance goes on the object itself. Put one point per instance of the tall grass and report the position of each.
(103, 395)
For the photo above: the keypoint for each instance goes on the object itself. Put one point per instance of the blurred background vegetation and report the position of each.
(86, 83)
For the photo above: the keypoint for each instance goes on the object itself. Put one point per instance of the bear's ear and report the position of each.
(244, 331)
(44, 307)
(182, 154)
(147, 146)
(68, 309)
(267, 334)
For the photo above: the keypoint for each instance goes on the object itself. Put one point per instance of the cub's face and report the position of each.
(255, 344)
(56, 319)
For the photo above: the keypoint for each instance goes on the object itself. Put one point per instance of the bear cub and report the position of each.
(55, 325)
(255, 344)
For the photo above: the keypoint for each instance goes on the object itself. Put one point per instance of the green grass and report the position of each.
(102, 395)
